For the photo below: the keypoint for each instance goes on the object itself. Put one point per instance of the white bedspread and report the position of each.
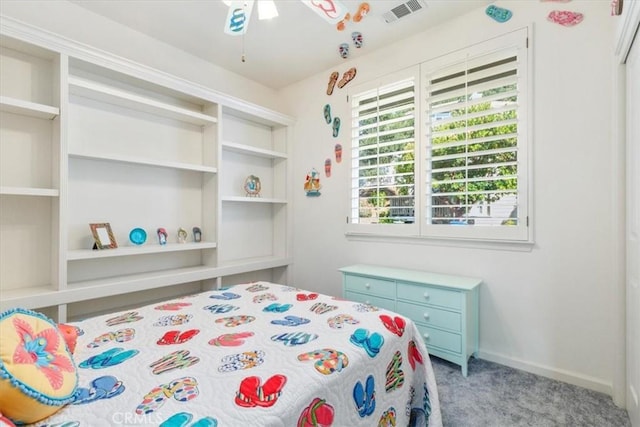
(258, 354)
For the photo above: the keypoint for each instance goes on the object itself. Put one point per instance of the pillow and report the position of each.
(37, 372)
(70, 334)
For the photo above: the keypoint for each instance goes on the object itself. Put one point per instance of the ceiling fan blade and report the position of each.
(238, 17)
(331, 11)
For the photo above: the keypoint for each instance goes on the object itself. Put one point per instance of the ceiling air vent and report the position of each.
(403, 10)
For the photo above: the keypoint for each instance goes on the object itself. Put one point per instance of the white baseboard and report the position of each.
(549, 372)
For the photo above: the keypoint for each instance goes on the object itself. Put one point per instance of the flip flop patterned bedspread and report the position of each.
(257, 354)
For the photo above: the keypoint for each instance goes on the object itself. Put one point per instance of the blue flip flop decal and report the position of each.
(225, 296)
(104, 387)
(327, 113)
(182, 419)
(365, 397)
(221, 308)
(111, 357)
(277, 308)
(370, 343)
(499, 14)
(291, 321)
(294, 338)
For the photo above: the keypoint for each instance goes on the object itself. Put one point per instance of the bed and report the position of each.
(256, 354)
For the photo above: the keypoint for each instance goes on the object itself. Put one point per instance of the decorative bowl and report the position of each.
(138, 236)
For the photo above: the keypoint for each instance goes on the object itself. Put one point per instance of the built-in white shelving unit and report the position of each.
(26, 108)
(90, 138)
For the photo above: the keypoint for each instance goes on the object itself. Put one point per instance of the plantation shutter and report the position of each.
(475, 145)
(383, 159)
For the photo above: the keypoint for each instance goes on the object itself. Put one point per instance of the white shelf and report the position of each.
(29, 191)
(80, 254)
(45, 296)
(247, 149)
(252, 264)
(105, 105)
(125, 99)
(30, 297)
(26, 108)
(146, 162)
(81, 291)
(241, 199)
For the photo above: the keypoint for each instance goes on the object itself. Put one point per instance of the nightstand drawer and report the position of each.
(430, 295)
(431, 316)
(370, 285)
(387, 304)
(444, 340)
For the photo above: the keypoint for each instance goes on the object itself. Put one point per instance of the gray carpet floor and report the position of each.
(494, 395)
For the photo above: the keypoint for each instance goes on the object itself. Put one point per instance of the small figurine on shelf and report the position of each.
(197, 234)
(182, 235)
(252, 186)
(162, 236)
(312, 183)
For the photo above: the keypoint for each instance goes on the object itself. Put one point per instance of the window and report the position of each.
(450, 158)
(383, 152)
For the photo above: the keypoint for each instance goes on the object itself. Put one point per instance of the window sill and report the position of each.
(505, 245)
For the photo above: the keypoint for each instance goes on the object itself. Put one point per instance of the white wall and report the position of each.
(76, 23)
(552, 309)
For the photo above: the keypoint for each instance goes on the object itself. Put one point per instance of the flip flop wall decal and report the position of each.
(499, 14)
(566, 18)
(333, 78)
(349, 75)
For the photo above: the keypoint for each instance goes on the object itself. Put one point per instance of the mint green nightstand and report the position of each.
(444, 307)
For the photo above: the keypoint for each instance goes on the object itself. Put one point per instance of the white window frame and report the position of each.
(421, 230)
(389, 229)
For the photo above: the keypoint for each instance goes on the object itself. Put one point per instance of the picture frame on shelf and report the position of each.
(103, 236)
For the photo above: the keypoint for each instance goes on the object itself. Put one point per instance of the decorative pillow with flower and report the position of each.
(37, 373)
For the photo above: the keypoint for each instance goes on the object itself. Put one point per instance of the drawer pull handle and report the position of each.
(426, 316)
(426, 337)
(426, 295)
(367, 285)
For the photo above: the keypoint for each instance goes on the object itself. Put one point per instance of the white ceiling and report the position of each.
(278, 52)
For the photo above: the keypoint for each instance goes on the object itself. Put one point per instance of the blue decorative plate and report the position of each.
(138, 236)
